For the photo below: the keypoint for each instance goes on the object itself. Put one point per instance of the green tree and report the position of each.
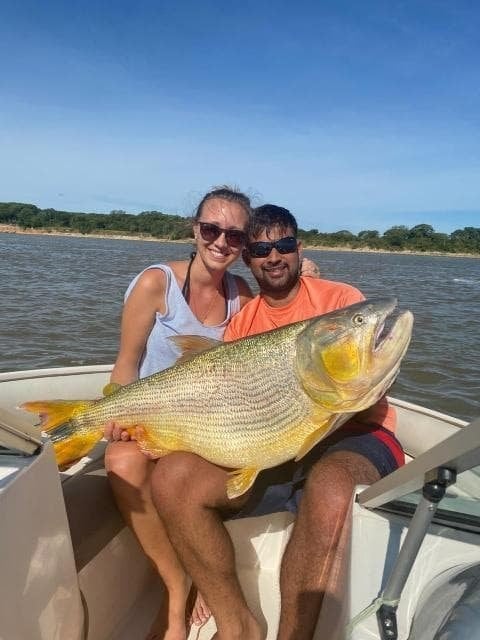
(396, 237)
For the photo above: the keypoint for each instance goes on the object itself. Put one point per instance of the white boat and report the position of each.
(71, 570)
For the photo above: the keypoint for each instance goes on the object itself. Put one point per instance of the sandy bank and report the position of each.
(7, 228)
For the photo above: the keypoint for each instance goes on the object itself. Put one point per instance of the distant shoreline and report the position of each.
(9, 228)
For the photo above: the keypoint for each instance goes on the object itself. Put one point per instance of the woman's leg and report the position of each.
(129, 475)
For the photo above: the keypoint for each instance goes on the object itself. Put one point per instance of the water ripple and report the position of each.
(61, 301)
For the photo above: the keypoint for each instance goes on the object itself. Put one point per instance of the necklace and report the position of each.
(194, 307)
(187, 294)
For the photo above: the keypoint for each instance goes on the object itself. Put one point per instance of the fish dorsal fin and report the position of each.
(110, 388)
(193, 345)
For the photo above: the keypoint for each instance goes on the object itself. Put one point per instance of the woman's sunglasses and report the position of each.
(233, 237)
(263, 249)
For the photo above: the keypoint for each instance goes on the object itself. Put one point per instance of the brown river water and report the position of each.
(61, 300)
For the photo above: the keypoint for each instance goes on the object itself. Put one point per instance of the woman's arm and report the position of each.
(138, 317)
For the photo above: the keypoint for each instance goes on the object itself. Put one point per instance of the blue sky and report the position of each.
(354, 115)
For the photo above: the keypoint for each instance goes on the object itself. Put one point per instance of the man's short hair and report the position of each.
(268, 216)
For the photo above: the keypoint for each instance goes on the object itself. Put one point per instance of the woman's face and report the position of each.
(220, 232)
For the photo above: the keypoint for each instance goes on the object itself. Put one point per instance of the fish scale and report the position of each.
(249, 404)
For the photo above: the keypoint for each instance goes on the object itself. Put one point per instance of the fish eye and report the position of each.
(358, 320)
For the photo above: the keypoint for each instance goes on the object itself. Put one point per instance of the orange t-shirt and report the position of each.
(314, 297)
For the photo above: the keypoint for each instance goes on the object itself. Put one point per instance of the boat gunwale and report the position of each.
(50, 372)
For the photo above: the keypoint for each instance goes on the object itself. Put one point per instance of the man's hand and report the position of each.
(309, 268)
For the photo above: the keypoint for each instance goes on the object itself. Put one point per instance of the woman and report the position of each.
(179, 298)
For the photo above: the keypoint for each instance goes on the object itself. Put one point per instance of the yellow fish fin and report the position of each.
(110, 388)
(240, 481)
(152, 448)
(71, 448)
(315, 436)
(193, 345)
(53, 413)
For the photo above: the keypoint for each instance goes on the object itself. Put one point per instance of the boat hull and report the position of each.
(67, 555)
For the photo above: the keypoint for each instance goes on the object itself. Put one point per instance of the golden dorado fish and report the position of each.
(250, 404)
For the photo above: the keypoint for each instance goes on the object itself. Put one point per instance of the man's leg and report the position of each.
(318, 542)
(189, 494)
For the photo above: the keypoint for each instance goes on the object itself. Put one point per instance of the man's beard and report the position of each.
(276, 286)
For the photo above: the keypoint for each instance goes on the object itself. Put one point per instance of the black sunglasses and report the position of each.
(263, 249)
(234, 237)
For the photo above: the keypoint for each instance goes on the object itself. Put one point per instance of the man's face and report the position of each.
(277, 272)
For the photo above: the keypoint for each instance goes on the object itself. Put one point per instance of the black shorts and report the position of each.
(280, 488)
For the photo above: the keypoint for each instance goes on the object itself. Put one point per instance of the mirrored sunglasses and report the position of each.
(263, 249)
(233, 237)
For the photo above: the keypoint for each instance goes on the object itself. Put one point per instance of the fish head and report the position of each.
(347, 359)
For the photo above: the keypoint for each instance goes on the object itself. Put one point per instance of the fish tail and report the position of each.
(58, 419)
(54, 413)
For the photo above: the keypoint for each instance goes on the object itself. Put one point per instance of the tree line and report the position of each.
(420, 238)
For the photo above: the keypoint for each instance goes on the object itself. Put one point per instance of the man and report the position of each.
(320, 486)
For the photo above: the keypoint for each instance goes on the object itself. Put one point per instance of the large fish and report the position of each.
(249, 404)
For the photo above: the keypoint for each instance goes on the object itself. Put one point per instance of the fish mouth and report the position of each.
(389, 343)
(393, 328)
(386, 326)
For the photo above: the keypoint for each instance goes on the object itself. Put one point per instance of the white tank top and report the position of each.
(179, 320)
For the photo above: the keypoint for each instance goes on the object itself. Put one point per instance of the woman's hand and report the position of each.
(113, 432)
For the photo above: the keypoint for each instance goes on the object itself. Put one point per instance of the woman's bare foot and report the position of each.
(200, 611)
(167, 625)
(244, 628)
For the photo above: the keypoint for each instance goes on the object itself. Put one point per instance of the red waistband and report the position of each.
(384, 435)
